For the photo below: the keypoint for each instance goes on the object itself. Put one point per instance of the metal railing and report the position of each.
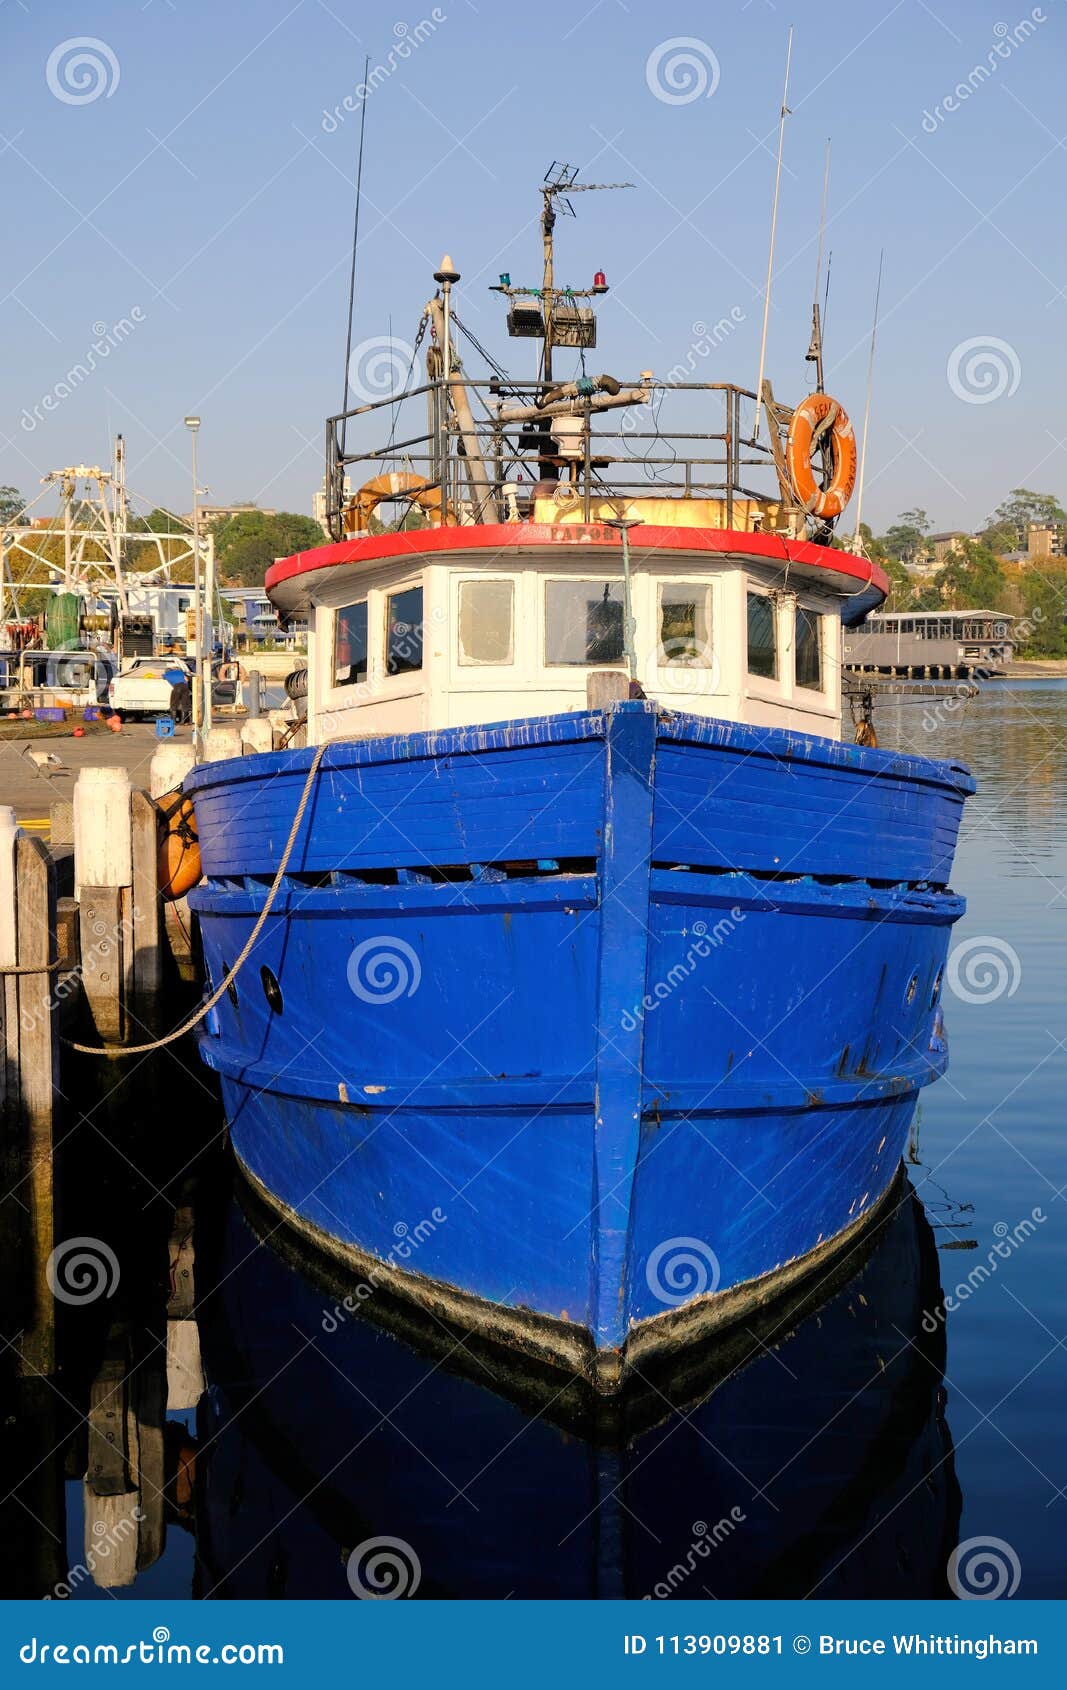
(485, 467)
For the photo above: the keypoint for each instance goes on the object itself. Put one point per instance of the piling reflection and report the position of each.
(232, 1429)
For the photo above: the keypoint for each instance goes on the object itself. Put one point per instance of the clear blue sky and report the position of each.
(206, 188)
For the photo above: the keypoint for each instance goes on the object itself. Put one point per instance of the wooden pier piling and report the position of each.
(29, 1085)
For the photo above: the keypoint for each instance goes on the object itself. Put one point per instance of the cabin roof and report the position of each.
(290, 581)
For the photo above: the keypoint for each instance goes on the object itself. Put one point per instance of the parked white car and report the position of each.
(145, 687)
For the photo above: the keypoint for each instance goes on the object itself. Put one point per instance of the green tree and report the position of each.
(1041, 632)
(11, 503)
(971, 579)
(906, 540)
(247, 543)
(1006, 529)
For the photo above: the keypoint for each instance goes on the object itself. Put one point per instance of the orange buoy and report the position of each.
(79, 733)
(816, 416)
(179, 846)
(115, 724)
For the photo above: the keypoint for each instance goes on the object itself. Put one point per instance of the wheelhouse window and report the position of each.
(685, 625)
(486, 622)
(583, 622)
(403, 632)
(350, 645)
(762, 636)
(809, 649)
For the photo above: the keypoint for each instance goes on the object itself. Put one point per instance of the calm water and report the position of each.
(843, 1450)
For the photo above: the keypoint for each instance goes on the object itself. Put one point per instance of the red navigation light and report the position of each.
(600, 280)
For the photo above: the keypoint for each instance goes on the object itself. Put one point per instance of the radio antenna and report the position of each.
(814, 353)
(355, 240)
(858, 538)
(774, 225)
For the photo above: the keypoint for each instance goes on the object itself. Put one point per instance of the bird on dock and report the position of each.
(43, 759)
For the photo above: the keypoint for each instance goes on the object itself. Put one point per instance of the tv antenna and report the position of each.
(537, 311)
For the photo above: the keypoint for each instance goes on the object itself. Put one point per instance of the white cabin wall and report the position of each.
(447, 692)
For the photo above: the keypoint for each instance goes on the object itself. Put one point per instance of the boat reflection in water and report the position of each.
(812, 1457)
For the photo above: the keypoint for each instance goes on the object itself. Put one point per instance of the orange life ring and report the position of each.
(179, 846)
(811, 420)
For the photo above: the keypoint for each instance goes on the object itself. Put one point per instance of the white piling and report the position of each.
(102, 834)
(169, 766)
(221, 743)
(257, 735)
(103, 886)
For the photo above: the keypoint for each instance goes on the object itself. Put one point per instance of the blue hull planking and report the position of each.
(592, 1029)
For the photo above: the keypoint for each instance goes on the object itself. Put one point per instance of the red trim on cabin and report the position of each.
(519, 536)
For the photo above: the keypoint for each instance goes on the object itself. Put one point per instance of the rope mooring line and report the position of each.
(246, 951)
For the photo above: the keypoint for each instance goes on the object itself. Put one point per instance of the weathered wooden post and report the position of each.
(103, 876)
(144, 868)
(29, 1081)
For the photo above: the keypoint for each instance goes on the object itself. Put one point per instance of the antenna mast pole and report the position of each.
(355, 242)
(857, 538)
(774, 225)
(548, 223)
(815, 353)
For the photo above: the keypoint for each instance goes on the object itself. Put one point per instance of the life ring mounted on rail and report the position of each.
(820, 421)
(394, 484)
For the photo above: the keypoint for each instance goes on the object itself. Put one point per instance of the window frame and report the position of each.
(339, 611)
(804, 688)
(677, 665)
(584, 579)
(476, 664)
(388, 594)
(753, 591)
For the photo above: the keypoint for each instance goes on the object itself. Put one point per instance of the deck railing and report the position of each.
(480, 449)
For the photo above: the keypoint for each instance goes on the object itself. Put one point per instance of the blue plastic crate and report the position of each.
(164, 727)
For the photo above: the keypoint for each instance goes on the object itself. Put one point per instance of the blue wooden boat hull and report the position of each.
(588, 1032)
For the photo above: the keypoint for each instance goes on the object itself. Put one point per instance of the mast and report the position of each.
(858, 537)
(815, 350)
(548, 224)
(774, 226)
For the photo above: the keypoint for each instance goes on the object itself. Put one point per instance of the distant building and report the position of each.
(943, 546)
(1045, 539)
(216, 513)
(318, 504)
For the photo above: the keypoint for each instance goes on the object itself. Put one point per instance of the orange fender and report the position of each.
(179, 846)
(817, 413)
